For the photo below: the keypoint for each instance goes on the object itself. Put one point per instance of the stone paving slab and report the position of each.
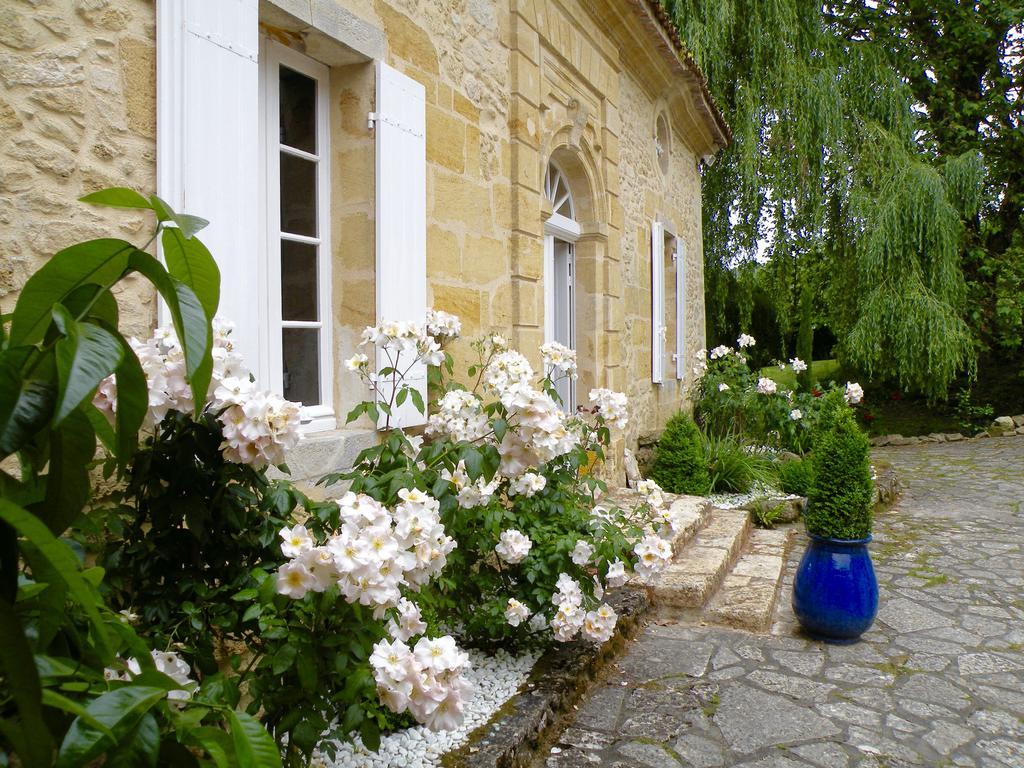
(937, 681)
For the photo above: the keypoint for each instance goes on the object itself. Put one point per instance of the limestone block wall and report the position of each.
(458, 50)
(510, 84)
(77, 113)
(675, 199)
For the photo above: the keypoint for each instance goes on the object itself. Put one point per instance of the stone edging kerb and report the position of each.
(559, 679)
(1004, 426)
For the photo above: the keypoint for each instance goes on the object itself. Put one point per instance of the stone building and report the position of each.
(530, 165)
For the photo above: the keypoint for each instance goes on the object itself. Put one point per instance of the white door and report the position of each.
(564, 312)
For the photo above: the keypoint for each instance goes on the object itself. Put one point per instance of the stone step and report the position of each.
(700, 565)
(688, 514)
(746, 598)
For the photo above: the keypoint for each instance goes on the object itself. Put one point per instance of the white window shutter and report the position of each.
(401, 215)
(208, 142)
(657, 301)
(680, 308)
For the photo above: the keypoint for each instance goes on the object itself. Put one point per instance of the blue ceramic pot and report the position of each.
(835, 593)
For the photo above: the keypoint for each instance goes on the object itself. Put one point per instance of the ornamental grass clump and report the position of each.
(796, 476)
(734, 467)
(679, 461)
(839, 501)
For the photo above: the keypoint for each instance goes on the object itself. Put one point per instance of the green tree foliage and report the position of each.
(835, 182)
(805, 337)
(839, 498)
(679, 463)
(964, 64)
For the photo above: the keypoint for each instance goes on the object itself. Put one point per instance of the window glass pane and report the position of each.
(298, 195)
(301, 356)
(298, 110)
(669, 303)
(298, 281)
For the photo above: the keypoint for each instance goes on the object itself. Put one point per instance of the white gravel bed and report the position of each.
(736, 500)
(496, 679)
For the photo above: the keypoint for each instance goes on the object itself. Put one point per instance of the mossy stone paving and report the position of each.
(938, 681)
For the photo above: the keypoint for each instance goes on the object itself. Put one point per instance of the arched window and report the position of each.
(556, 190)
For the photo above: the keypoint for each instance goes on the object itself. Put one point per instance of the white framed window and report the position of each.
(295, 271)
(561, 231)
(668, 316)
(679, 257)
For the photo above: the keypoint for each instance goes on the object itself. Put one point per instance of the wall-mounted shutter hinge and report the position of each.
(371, 120)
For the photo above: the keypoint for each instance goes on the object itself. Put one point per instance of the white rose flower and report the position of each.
(558, 359)
(796, 414)
(294, 580)
(516, 613)
(513, 546)
(720, 352)
(612, 406)
(582, 553)
(527, 484)
(616, 576)
(357, 362)
(798, 365)
(745, 340)
(854, 393)
(723, 387)
(766, 386)
(295, 540)
(599, 625)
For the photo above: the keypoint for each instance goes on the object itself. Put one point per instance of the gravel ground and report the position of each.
(495, 679)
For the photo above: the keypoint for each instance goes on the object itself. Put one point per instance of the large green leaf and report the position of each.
(64, 564)
(254, 747)
(95, 261)
(93, 302)
(102, 427)
(31, 411)
(120, 711)
(23, 684)
(85, 356)
(140, 748)
(72, 447)
(52, 603)
(215, 741)
(117, 197)
(190, 321)
(189, 261)
(132, 403)
(188, 225)
(59, 701)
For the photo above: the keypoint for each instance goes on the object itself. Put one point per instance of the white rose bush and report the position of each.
(483, 530)
(508, 472)
(731, 399)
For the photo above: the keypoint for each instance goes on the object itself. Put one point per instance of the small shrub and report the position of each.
(973, 418)
(765, 516)
(734, 467)
(679, 461)
(840, 495)
(796, 477)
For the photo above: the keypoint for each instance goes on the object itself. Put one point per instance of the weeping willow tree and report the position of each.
(826, 187)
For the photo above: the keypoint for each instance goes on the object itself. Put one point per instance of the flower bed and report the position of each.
(342, 620)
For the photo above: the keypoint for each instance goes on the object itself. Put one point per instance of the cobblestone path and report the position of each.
(938, 680)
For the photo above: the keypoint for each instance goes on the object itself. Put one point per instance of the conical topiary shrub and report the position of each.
(679, 465)
(839, 502)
